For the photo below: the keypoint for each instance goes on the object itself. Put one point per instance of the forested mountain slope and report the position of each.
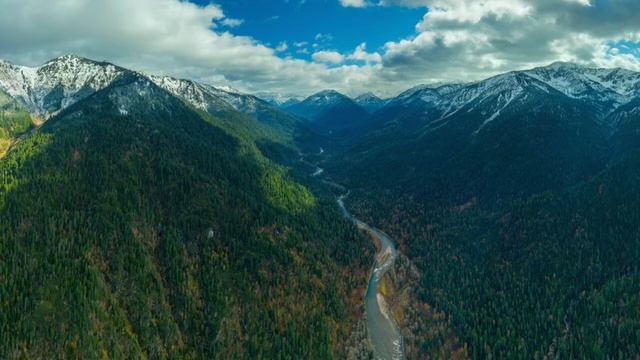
(553, 274)
(135, 225)
(515, 197)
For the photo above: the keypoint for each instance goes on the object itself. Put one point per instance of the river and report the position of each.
(384, 334)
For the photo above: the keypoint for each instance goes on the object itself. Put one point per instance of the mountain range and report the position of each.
(155, 217)
(516, 133)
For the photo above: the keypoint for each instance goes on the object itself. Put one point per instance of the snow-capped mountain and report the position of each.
(61, 82)
(370, 102)
(204, 96)
(221, 100)
(486, 100)
(326, 97)
(246, 103)
(423, 93)
(576, 80)
(511, 134)
(607, 88)
(46, 89)
(195, 93)
(315, 104)
(604, 89)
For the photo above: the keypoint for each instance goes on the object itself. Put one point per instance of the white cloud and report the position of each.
(282, 47)
(232, 22)
(323, 37)
(354, 3)
(328, 57)
(406, 3)
(367, 3)
(581, 2)
(361, 54)
(457, 11)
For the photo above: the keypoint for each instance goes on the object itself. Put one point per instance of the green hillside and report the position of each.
(135, 227)
(13, 122)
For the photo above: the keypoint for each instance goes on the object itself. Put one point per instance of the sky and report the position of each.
(298, 47)
(302, 28)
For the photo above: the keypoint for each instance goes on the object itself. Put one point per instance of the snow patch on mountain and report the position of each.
(212, 98)
(605, 89)
(504, 100)
(59, 83)
(191, 91)
(370, 102)
(242, 102)
(278, 99)
(612, 86)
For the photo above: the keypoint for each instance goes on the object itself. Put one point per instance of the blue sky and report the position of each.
(384, 46)
(324, 23)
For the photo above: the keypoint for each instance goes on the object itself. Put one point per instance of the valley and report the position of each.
(495, 185)
(383, 332)
(159, 217)
(320, 179)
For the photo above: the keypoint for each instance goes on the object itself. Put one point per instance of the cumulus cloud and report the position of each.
(328, 57)
(462, 40)
(366, 3)
(361, 54)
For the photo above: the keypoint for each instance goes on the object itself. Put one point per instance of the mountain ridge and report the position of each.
(56, 84)
(571, 79)
(518, 114)
(51, 87)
